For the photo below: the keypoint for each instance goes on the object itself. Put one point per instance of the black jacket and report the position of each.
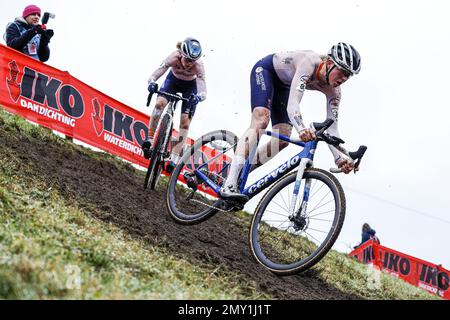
(18, 41)
(366, 236)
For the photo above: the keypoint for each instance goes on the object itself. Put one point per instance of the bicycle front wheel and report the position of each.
(287, 243)
(159, 147)
(192, 204)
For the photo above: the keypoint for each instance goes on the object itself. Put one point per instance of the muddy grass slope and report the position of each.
(111, 191)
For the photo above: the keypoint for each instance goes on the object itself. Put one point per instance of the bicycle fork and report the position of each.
(293, 215)
(167, 136)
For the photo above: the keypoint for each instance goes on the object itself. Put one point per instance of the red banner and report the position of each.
(431, 277)
(60, 102)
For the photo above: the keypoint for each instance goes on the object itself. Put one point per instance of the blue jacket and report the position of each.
(366, 236)
(20, 34)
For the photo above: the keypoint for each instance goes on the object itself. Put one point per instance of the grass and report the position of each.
(50, 249)
(339, 270)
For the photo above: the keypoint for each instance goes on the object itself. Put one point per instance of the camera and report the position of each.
(46, 16)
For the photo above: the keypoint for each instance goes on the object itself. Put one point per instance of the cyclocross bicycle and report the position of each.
(295, 223)
(161, 144)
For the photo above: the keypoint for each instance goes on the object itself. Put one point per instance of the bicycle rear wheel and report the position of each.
(287, 244)
(159, 149)
(192, 205)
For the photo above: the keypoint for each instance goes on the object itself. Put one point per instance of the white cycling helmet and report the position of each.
(191, 49)
(346, 57)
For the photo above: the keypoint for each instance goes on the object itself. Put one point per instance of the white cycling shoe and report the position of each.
(232, 193)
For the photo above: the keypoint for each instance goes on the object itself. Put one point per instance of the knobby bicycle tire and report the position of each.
(287, 238)
(176, 207)
(158, 149)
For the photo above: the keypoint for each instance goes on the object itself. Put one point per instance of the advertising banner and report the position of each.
(431, 277)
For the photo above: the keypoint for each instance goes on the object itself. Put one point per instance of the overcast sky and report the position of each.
(398, 105)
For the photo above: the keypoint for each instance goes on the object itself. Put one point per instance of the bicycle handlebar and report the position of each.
(175, 97)
(356, 156)
(322, 126)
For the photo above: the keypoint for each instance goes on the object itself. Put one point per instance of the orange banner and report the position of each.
(420, 273)
(60, 102)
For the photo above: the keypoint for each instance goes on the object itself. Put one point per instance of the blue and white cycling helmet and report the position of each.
(191, 49)
(346, 58)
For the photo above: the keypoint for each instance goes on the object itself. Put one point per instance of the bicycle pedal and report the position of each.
(228, 206)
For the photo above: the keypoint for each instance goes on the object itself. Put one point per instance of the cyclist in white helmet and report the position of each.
(186, 76)
(278, 83)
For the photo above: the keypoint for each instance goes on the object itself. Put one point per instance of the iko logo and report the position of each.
(40, 88)
(12, 83)
(434, 277)
(108, 119)
(97, 118)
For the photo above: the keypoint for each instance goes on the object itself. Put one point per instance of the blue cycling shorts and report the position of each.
(174, 85)
(268, 91)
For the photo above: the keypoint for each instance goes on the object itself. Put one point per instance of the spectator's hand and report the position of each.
(194, 100)
(307, 135)
(152, 87)
(37, 29)
(346, 165)
(47, 34)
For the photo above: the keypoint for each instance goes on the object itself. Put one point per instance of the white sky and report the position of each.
(397, 105)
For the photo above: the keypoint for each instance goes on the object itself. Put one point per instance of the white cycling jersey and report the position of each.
(196, 72)
(299, 69)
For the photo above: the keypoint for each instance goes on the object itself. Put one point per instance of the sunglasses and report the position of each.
(346, 73)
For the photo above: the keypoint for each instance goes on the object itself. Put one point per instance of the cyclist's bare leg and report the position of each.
(185, 123)
(161, 103)
(274, 146)
(260, 121)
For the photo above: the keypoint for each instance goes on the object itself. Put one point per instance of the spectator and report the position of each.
(368, 234)
(26, 35)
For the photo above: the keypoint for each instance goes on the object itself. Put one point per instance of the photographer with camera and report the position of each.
(26, 35)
